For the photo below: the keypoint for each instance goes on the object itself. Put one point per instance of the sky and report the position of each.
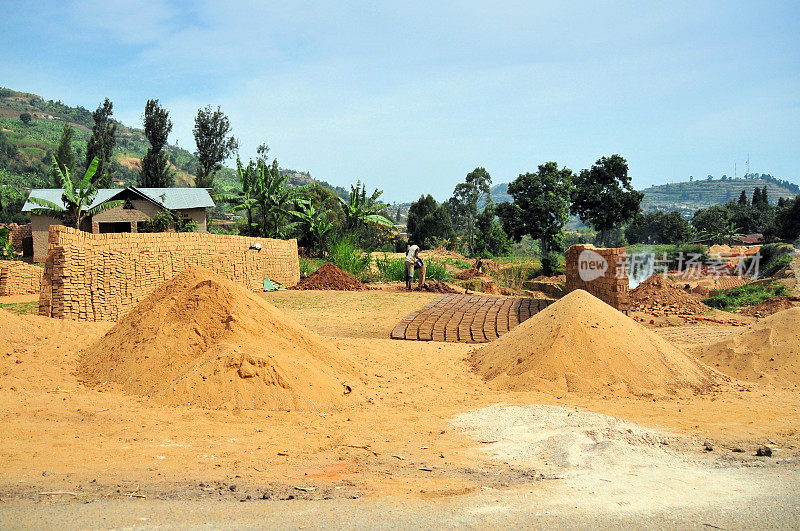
(410, 96)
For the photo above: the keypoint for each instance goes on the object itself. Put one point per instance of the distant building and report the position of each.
(139, 205)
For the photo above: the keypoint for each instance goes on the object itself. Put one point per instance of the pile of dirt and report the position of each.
(582, 345)
(771, 306)
(436, 286)
(330, 277)
(202, 340)
(660, 296)
(769, 349)
(469, 274)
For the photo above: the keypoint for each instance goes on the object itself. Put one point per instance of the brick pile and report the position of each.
(92, 277)
(17, 233)
(462, 318)
(18, 278)
(611, 286)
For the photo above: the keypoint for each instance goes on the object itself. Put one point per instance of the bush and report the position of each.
(309, 265)
(347, 256)
(747, 295)
(552, 264)
(394, 269)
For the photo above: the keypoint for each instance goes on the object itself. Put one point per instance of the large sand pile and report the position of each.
(769, 350)
(581, 344)
(330, 277)
(202, 340)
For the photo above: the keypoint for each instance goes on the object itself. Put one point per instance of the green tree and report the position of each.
(787, 220)
(155, 166)
(247, 199)
(604, 196)
(490, 239)
(278, 205)
(540, 209)
(743, 198)
(362, 210)
(316, 228)
(25, 118)
(76, 202)
(464, 203)
(429, 223)
(101, 143)
(65, 156)
(214, 144)
(712, 220)
(658, 228)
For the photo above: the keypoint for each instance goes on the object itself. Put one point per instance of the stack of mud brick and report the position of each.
(17, 233)
(92, 277)
(17, 278)
(612, 286)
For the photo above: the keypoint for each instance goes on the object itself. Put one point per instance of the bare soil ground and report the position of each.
(419, 435)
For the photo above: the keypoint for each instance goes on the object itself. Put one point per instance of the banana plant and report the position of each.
(76, 202)
(362, 209)
(317, 225)
(277, 203)
(247, 200)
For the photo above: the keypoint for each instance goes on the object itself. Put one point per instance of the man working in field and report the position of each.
(413, 261)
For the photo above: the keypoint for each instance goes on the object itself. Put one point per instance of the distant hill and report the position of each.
(687, 197)
(26, 164)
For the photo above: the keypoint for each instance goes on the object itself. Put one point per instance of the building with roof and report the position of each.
(139, 205)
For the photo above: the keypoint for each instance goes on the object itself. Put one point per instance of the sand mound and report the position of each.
(660, 295)
(769, 350)
(202, 340)
(581, 344)
(330, 277)
(771, 306)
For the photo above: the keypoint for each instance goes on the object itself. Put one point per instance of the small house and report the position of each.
(138, 206)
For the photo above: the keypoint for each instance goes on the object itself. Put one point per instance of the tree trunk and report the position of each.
(603, 237)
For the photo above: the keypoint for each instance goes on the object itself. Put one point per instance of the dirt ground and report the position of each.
(62, 442)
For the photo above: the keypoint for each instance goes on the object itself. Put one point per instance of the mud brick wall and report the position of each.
(92, 277)
(17, 278)
(17, 233)
(611, 286)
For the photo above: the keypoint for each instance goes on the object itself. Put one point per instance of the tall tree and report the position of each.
(540, 209)
(764, 198)
(65, 156)
(214, 143)
(429, 222)
(604, 196)
(155, 166)
(464, 203)
(101, 143)
(743, 198)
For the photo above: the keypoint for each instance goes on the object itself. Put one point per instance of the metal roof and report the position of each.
(171, 198)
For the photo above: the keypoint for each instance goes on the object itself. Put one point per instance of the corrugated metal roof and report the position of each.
(171, 198)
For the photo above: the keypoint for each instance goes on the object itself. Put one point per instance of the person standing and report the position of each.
(413, 262)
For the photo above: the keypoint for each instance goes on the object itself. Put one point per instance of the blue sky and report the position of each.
(411, 96)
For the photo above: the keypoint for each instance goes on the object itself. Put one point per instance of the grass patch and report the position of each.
(457, 262)
(748, 295)
(22, 308)
(394, 269)
(347, 256)
(309, 265)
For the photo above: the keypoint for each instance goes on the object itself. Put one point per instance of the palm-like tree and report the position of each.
(361, 209)
(247, 199)
(318, 226)
(76, 203)
(277, 203)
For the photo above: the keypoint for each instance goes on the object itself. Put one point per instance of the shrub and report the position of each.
(394, 269)
(347, 256)
(552, 264)
(747, 295)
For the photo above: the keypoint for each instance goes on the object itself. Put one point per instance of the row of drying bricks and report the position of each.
(467, 318)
